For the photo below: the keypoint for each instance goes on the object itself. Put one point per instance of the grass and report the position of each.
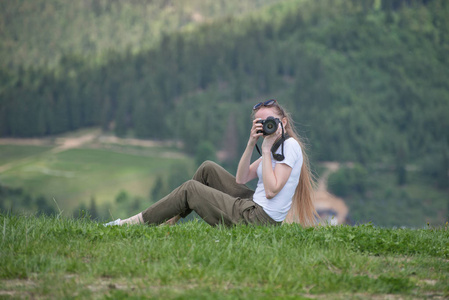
(66, 258)
(11, 153)
(74, 176)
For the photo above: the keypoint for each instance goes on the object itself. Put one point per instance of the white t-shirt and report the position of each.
(278, 207)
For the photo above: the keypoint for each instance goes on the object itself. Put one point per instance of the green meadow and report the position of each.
(75, 176)
(57, 257)
(122, 178)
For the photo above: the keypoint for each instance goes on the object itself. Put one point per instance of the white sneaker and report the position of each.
(113, 223)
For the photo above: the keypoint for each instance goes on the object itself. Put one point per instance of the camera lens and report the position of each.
(270, 126)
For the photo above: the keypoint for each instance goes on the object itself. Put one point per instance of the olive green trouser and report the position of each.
(214, 195)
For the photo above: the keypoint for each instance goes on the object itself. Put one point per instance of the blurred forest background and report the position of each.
(366, 81)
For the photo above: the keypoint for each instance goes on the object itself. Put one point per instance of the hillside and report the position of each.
(64, 258)
(371, 83)
(86, 170)
(40, 32)
(365, 80)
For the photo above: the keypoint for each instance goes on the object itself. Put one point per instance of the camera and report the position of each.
(270, 125)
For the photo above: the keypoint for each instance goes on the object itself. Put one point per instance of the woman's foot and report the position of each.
(113, 223)
(137, 219)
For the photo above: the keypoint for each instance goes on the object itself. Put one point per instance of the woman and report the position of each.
(283, 192)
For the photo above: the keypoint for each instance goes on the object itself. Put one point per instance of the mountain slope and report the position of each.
(39, 32)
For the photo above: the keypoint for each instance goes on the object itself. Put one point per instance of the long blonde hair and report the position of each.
(302, 210)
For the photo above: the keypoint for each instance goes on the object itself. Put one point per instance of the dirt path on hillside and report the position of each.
(66, 143)
(325, 201)
(73, 142)
(61, 144)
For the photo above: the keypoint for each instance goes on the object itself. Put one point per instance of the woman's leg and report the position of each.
(211, 205)
(136, 219)
(215, 176)
(209, 174)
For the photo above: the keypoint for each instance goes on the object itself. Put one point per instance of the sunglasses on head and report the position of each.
(266, 103)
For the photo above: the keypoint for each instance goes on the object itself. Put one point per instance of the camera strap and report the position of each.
(275, 147)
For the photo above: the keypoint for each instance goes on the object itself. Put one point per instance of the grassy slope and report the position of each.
(76, 175)
(43, 257)
(11, 153)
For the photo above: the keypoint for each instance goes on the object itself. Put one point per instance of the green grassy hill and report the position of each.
(65, 258)
(97, 170)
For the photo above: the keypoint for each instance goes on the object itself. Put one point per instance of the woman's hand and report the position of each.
(245, 170)
(254, 136)
(269, 140)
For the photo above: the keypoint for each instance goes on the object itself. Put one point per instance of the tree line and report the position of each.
(366, 81)
(38, 32)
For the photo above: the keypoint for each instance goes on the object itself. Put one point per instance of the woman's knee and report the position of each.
(194, 188)
(205, 168)
(194, 191)
(207, 165)
(191, 185)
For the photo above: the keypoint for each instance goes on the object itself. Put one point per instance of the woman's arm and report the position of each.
(273, 179)
(247, 171)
